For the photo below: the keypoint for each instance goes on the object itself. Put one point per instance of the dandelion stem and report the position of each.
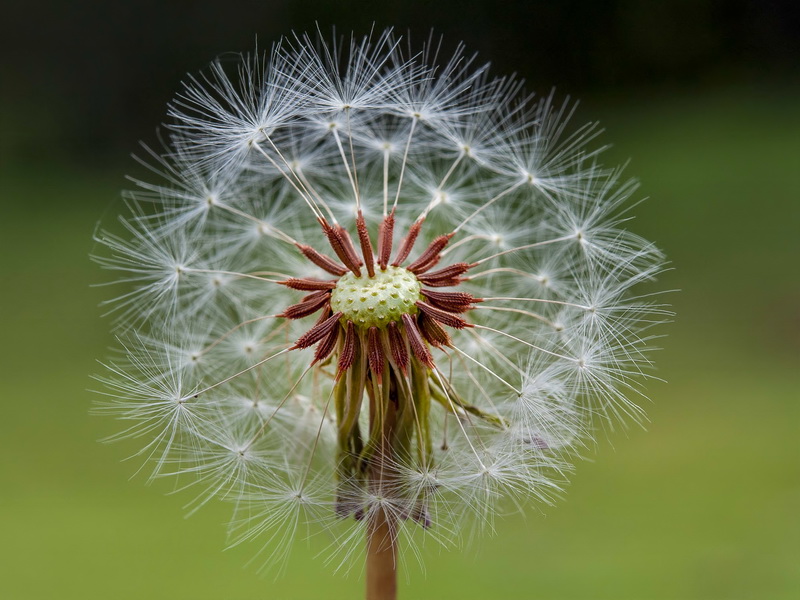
(381, 557)
(382, 528)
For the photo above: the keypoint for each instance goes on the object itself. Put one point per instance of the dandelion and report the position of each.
(376, 294)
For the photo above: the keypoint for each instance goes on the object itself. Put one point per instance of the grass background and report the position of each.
(702, 505)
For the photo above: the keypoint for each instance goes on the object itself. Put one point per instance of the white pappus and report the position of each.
(373, 288)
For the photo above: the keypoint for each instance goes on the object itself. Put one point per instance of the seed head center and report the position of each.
(376, 301)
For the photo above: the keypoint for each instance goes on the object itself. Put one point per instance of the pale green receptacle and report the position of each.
(376, 301)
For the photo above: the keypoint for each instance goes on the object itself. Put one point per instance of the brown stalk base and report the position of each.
(382, 527)
(381, 558)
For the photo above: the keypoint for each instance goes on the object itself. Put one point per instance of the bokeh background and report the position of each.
(702, 96)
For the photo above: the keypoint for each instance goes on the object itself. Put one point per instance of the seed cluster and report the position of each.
(385, 310)
(381, 322)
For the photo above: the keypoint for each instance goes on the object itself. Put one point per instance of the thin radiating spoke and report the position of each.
(526, 247)
(240, 373)
(405, 159)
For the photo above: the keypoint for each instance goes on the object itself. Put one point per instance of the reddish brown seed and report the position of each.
(385, 237)
(312, 295)
(348, 245)
(326, 312)
(431, 254)
(339, 245)
(419, 269)
(366, 244)
(308, 284)
(442, 277)
(308, 306)
(397, 347)
(432, 331)
(416, 342)
(319, 331)
(442, 282)
(327, 345)
(348, 353)
(326, 263)
(375, 353)
(381, 227)
(407, 244)
(457, 302)
(444, 317)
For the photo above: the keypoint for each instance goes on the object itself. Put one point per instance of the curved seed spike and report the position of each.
(326, 312)
(444, 317)
(418, 346)
(366, 244)
(326, 263)
(308, 306)
(431, 254)
(427, 265)
(397, 347)
(314, 295)
(457, 302)
(443, 277)
(316, 333)
(433, 333)
(442, 282)
(407, 243)
(327, 345)
(308, 284)
(340, 246)
(348, 244)
(348, 353)
(385, 237)
(375, 353)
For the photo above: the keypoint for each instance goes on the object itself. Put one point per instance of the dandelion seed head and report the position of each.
(373, 283)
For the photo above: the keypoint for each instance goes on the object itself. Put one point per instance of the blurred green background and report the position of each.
(703, 97)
